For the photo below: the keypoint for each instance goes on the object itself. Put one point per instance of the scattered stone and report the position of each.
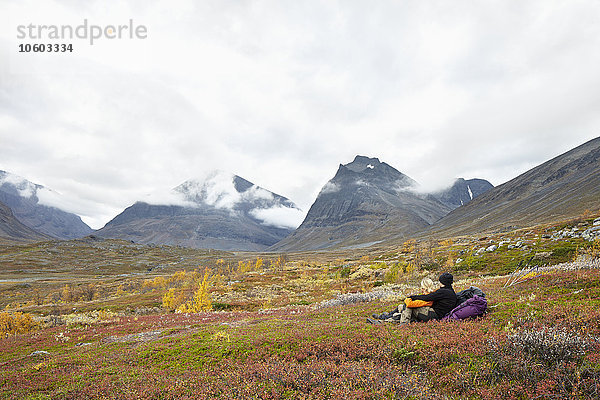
(542, 255)
(458, 260)
(39, 353)
(83, 344)
(597, 222)
(62, 338)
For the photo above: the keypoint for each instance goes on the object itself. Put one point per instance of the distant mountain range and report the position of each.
(220, 211)
(367, 201)
(561, 188)
(26, 200)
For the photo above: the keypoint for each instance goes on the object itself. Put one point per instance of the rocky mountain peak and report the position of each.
(370, 171)
(462, 192)
(362, 163)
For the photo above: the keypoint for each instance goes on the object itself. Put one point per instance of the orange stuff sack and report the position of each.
(410, 303)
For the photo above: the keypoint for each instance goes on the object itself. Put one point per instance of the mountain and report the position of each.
(561, 188)
(220, 211)
(13, 230)
(32, 205)
(462, 191)
(366, 201)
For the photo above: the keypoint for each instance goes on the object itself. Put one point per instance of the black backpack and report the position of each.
(463, 295)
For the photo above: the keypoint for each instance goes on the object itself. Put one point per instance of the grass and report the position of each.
(267, 337)
(317, 353)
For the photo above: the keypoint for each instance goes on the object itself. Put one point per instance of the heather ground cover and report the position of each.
(540, 340)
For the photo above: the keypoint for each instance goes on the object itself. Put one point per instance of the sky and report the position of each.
(282, 92)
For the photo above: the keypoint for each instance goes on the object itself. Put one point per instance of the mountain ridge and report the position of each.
(563, 187)
(364, 201)
(221, 211)
(23, 198)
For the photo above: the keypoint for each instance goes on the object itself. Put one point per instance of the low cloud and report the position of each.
(24, 187)
(330, 187)
(280, 216)
(170, 198)
(217, 189)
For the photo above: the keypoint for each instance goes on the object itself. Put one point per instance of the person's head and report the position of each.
(446, 279)
(427, 285)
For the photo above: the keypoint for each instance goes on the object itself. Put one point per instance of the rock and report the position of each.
(458, 260)
(491, 248)
(597, 222)
(39, 353)
(519, 243)
(511, 246)
(542, 255)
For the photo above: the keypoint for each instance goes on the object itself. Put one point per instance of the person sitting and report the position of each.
(444, 300)
(396, 315)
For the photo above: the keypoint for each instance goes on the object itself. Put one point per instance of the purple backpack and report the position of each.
(471, 308)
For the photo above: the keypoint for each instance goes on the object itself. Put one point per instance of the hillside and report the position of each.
(13, 230)
(561, 188)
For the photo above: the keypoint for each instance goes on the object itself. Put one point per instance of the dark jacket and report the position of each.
(444, 300)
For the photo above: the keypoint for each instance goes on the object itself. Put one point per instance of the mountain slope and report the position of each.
(561, 188)
(366, 201)
(221, 211)
(23, 198)
(463, 191)
(13, 230)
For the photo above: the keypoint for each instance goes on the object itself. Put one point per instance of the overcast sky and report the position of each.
(281, 92)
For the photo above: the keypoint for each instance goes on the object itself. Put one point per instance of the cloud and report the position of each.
(169, 198)
(330, 187)
(279, 216)
(283, 92)
(21, 185)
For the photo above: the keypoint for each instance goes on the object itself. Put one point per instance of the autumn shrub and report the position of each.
(179, 300)
(550, 345)
(542, 363)
(14, 323)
